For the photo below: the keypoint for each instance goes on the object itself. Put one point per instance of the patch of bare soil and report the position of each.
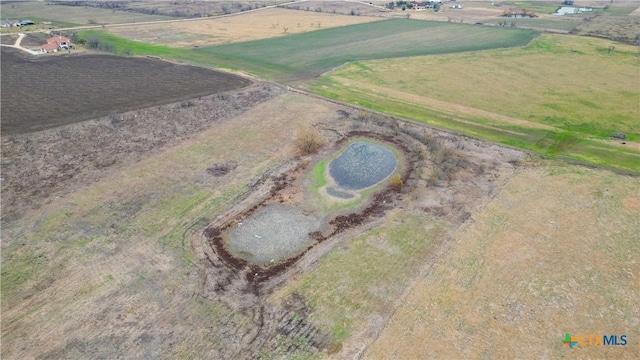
(34, 40)
(8, 39)
(46, 92)
(40, 165)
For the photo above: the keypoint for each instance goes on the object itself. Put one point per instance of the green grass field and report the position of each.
(540, 7)
(310, 54)
(305, 55)
(565, 95)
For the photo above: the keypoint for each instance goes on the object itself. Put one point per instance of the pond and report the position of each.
(361, 165)
(271, 234)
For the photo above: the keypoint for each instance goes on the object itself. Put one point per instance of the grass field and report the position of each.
(305, 55)
(559, 24)
(110, 261)
(555, 252)
(251, 26)
(560, 95)
(353, 285)
(499, 261)
(66, 16)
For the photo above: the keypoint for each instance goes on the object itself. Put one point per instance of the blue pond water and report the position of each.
(362, 164)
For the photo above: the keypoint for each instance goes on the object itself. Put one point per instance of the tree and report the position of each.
(308, 141)
(93, 42)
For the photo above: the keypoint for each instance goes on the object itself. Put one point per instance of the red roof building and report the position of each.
(56, 42)
(49, 47)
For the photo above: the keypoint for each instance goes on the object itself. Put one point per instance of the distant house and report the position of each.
(9, 23)
(569, 10)
(429, 4)
(49, 47)
(56, 43)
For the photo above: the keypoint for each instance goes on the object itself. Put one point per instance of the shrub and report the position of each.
(396, 182)
(308, 141)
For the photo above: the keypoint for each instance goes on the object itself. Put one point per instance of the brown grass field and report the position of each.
(69, 15)
(486, 252)
(107, 266)
(556, 251)
(256, 25)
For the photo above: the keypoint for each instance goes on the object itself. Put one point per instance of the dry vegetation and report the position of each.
(121, 258)
(257, 25)
(555, 252)
(110, 260)
(395, 181)
(618, 28)
(41, 11)
(475, 251)
(308, 141)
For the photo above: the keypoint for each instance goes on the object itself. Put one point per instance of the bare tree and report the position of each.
(308, 141)
(284, 29)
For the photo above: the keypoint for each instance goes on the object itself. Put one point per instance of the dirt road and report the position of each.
(17, 45)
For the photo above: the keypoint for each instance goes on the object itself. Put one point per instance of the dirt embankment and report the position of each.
(37, 166)
(461, 173)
